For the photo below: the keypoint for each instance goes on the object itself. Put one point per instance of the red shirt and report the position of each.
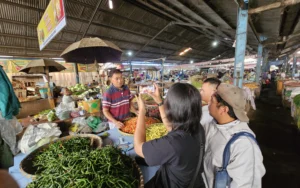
(117, 101)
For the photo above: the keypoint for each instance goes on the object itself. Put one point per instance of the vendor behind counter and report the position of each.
(66, 96)
(116, 101)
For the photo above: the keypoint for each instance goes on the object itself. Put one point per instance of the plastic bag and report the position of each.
(34, 134)
(8, 130)
(81, 122)
(63, 111)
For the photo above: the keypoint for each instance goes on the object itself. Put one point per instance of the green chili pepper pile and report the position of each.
(75, 164)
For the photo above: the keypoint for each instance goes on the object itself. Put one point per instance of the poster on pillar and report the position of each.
(51, 23)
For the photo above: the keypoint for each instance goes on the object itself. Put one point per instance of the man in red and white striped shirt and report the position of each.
(116, 100)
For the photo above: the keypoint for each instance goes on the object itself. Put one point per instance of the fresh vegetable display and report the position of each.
(155, 131)
(196, 81)
(145, 97)
(297, 113)
(251, 85)
(74, 163)
(297, 100)
(48, 115)
(130, 125)
(78, 87)
(51, 116)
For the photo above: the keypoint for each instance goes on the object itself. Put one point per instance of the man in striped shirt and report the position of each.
(116, 101)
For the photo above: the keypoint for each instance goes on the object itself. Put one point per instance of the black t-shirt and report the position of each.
(178, 154)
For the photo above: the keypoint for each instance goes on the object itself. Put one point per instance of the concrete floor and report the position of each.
(279, 140)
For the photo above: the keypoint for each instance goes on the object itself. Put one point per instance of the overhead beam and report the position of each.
(198, 18)
(273, 6)
(71, 32)
(291, 48)
(253, 29)
(90, 21)
(161, 6)
(122, 17)
(170, 16)
(205, 26)
(93, 23)
(202, 6)
(201, 53)
(157, 34)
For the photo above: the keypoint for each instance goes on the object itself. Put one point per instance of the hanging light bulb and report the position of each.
(215, 43)
(110, 4)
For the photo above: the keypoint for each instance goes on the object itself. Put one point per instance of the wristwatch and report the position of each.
(160, 104)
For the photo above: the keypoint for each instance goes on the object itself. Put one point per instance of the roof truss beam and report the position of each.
(272, 6)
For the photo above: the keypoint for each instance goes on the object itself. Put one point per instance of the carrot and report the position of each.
(130, 125)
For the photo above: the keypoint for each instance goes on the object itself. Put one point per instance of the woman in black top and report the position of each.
(178, 152)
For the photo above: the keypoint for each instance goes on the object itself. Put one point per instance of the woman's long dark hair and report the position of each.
(183, 107)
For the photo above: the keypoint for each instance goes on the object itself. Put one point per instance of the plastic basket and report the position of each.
(92, 106)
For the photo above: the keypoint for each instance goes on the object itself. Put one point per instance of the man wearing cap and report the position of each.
(246, 167)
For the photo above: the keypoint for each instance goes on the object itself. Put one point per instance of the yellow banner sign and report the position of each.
(52, 22)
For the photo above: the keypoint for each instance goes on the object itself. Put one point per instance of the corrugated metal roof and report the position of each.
(131, 24)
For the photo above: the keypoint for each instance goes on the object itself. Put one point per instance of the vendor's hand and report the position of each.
(155, 95)
(118, 124)
(141, 104)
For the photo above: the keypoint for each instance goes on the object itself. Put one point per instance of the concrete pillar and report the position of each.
(241, 42)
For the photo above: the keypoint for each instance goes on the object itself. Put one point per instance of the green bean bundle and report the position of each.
(75, 164)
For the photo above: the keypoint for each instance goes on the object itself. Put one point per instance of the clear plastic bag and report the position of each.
(34, 134)
(8, 130)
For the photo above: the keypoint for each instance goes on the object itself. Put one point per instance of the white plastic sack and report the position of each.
(8, 130)
(249, 97)
(81, 121)
(295, 92)
(63, 111)
(34, 134)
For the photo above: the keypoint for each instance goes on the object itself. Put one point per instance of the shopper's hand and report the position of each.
(155, 95)
(135, 111)
(118, 124)
(141, 104)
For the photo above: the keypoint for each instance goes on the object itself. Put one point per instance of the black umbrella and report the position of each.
(89, 50)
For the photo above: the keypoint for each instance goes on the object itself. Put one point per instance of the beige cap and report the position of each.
(235, 97)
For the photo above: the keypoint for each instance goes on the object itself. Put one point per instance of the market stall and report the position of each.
(289, 91)
(254, 87)
(114, 136)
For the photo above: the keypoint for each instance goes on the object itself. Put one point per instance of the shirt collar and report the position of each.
(115, 88)
(227, 125)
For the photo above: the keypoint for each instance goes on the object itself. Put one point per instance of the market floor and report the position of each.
(279, 140)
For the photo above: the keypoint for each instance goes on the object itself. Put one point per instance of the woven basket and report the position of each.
(138, 173)
(26, 165)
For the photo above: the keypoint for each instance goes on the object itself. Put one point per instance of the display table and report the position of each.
(148, 172)
(25, 122)
(254, 88)
(290, 89)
